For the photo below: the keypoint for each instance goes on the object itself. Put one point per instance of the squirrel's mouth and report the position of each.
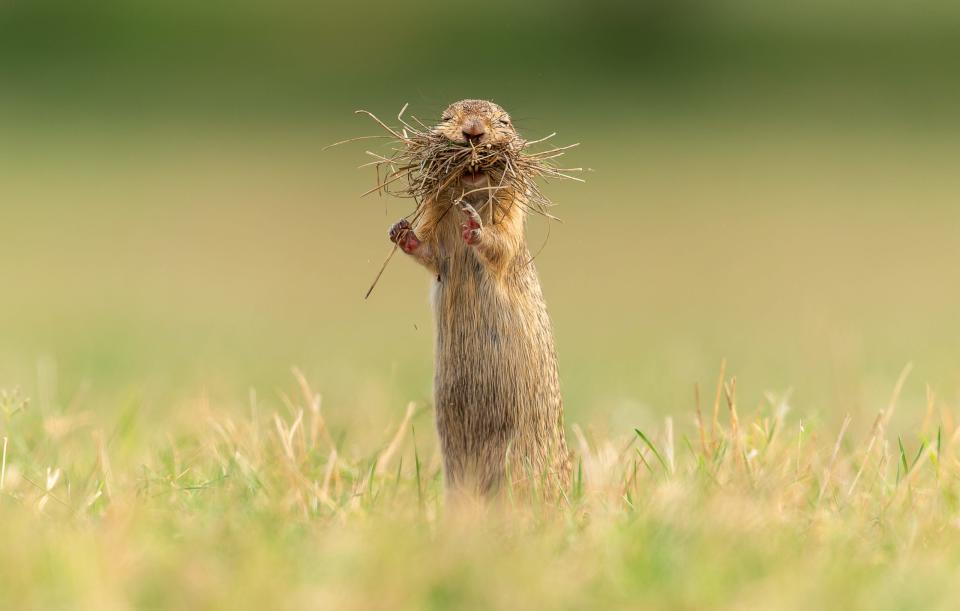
(473, 177)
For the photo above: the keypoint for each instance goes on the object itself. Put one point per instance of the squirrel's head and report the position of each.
(476, 122)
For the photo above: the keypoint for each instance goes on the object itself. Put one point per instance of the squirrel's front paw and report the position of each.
(403, 236)
(471, 227)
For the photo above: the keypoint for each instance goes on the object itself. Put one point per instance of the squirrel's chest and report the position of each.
(464, 285)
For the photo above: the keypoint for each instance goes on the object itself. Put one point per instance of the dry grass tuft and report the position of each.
(423, 164)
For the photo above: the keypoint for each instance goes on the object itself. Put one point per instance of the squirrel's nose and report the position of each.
(473, 130)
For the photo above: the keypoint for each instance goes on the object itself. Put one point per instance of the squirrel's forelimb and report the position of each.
(491, 243)
(403, 235)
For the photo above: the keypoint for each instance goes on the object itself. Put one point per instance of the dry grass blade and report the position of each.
(354, 139)
(715, 424)
(828, 472)
(897, 389)
(373, 285)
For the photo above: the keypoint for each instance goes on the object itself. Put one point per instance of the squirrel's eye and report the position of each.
(445, 118)
(505, 121)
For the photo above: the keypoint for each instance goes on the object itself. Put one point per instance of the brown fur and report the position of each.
(497, 392)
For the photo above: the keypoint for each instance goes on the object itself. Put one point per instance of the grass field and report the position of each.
(169, 456)
(267, 506)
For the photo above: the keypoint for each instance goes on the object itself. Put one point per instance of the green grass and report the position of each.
(267, 506)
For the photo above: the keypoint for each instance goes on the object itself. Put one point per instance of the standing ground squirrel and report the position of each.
(496, 388)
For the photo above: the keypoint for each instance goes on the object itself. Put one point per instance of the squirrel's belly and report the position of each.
(496, 386)
(495, 355)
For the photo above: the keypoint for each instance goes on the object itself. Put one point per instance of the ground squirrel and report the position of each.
(497, 392)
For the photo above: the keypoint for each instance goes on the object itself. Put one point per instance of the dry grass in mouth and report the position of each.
(425, 164)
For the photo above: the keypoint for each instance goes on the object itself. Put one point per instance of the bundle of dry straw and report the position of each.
(423, 163)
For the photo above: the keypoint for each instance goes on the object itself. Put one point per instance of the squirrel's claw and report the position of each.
(472, 227)
(403, 236)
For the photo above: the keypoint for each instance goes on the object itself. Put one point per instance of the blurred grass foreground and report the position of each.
(269, 510)
(772, 185)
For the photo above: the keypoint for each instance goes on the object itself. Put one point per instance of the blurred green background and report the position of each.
(772, 184)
